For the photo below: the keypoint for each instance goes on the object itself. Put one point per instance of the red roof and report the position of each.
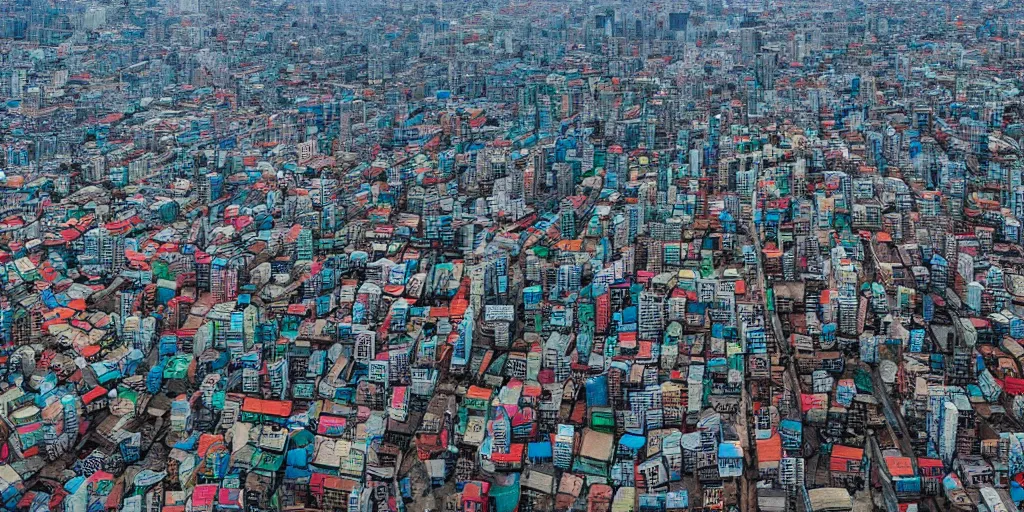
(111, 118)
(203, 495)
(96, 392)
(70, 234)
(318, 482)
(899, 466)
(514, 455)
(1013, 386)
(741, 287)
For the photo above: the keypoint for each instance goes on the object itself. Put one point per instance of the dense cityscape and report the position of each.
(511, 255)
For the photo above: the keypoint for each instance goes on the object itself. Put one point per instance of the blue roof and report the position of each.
(730, 450)
(539, 450)
(633, 442)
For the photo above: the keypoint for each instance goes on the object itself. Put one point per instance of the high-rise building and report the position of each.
(104, 249)
(751, 40)
(949, 415)
(567, 220)
(651, 315)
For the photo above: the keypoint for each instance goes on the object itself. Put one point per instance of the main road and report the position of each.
(793, 410)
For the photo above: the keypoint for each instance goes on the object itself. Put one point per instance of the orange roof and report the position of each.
(293, 233)
(899, 466)
(847, 452)
(569, 245)
(206, 441)
(282, 408)
(59, 313)
(478, 392)
(769, 450)
(646, 350)
(486, 362)
(458, 307)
